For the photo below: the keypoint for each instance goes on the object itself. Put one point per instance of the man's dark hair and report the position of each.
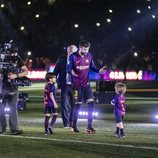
(84, 43)
(49, 75)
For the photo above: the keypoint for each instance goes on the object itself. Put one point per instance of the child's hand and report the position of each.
(55, 105)
(113, 102)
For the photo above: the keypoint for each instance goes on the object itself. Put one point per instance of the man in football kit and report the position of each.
(79, 66)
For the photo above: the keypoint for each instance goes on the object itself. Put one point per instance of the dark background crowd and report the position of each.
(123, 34)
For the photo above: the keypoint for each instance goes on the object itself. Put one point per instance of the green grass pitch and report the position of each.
(141, 130)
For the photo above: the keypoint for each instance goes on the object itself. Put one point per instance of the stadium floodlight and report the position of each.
(135, 54)
(22, 28)
(76, 25)
(2, 5)
(37, 16)
(29, 53)
(97, 24)
(108, 20)
(153, 16)
(29, 3)
(110, 11)
(129, 29)
(138, 11)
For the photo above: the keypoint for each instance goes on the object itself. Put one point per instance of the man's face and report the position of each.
(84, 50)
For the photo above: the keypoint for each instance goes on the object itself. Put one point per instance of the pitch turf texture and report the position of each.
(141, 130)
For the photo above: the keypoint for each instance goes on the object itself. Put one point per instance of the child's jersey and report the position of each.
(119, 104)
(81, 65)
(49, 88)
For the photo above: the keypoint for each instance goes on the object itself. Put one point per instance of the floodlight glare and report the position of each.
(110, 10)
(98, 24)
(22, 28)
(129, 29)
(135, 54)
(28, 53)
(138, 11)
(76, 25)
(108, 20)
(153, 16)
(28, 3)
(156, 116)
(2, 5)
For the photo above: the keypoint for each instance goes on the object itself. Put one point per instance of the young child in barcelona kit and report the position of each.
(50, 104)
(119, 106)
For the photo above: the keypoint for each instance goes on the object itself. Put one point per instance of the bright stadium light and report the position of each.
(153, 16)
(22, 28)
(129, 29)
(76, 25)
(29, 53)
(97, 24)
(138, 11)
(110, 11)
(149, 7)
(108, 20)
(2, 5)
(135, 54)
(156, 116)
(28, 3)
(37, 16)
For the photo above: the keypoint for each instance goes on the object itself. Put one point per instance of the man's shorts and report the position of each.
(82, 94)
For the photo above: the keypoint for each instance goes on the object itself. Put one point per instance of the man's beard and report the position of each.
(83, 53)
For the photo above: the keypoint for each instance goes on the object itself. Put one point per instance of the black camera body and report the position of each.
(8, 64)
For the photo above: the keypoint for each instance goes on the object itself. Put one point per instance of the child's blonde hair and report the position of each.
(120, 88)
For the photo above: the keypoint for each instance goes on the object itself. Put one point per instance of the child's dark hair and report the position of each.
(84, 43)
(49, 75)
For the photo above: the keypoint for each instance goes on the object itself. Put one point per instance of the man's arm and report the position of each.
(70, 65)
(23, 73)
(95, 69)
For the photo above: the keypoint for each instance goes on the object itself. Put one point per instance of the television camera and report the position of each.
(8, 64)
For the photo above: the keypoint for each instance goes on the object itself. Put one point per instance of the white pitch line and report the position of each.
(83, 142)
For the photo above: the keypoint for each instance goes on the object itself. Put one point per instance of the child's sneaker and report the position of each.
(116, 135)
(50, 131)
(46, 133)
(122, 136)
(90, 130)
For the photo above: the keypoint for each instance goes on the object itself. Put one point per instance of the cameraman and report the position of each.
(10, 93)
